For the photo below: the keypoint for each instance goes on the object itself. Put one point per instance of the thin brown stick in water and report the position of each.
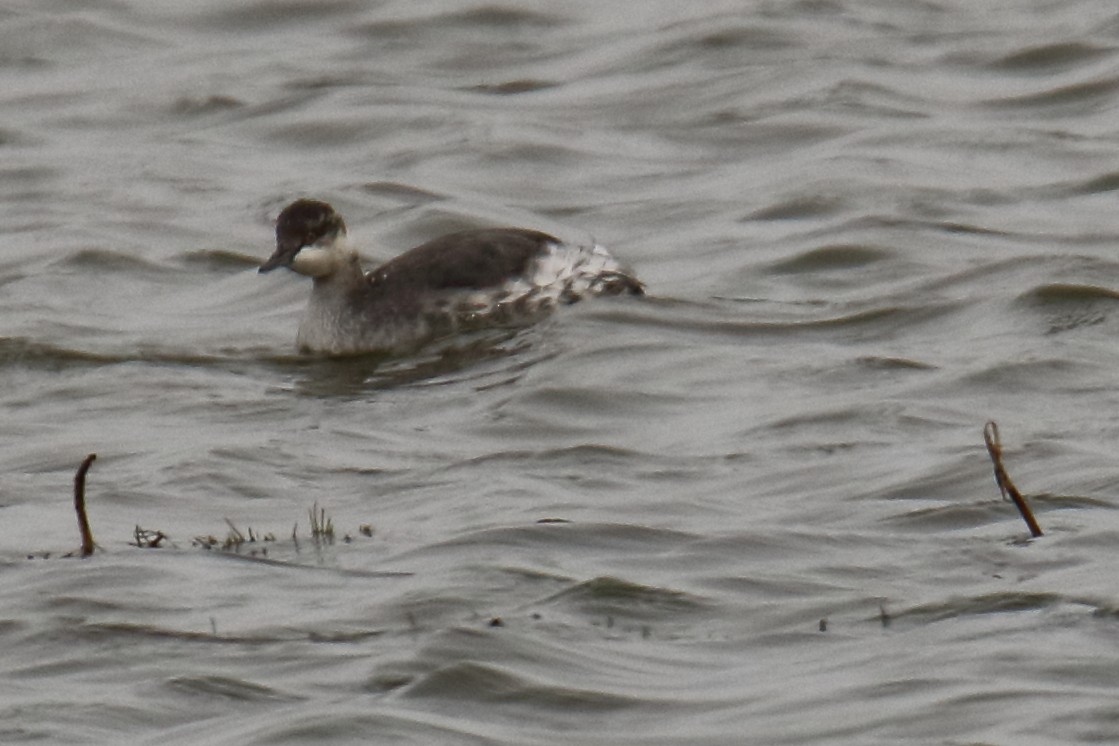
(79, 505)
(994, 448)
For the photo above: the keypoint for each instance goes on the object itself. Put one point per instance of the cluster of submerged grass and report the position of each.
(235, 540)
(321, 532)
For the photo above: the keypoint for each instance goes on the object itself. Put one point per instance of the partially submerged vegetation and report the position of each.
(322, 525)
(251, 541)
(79, 505)
(1002, 479)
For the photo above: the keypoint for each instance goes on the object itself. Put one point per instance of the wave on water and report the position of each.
(754, 507)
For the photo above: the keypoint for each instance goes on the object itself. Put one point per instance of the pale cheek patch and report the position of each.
(314, 262)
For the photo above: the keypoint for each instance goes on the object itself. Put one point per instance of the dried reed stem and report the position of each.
(1002, 479)
(79, 505)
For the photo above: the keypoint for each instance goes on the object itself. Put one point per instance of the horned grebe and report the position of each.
(459, 281)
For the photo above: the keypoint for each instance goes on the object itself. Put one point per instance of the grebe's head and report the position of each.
(309, 239)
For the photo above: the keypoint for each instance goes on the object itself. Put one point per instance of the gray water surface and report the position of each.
(752, 508)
